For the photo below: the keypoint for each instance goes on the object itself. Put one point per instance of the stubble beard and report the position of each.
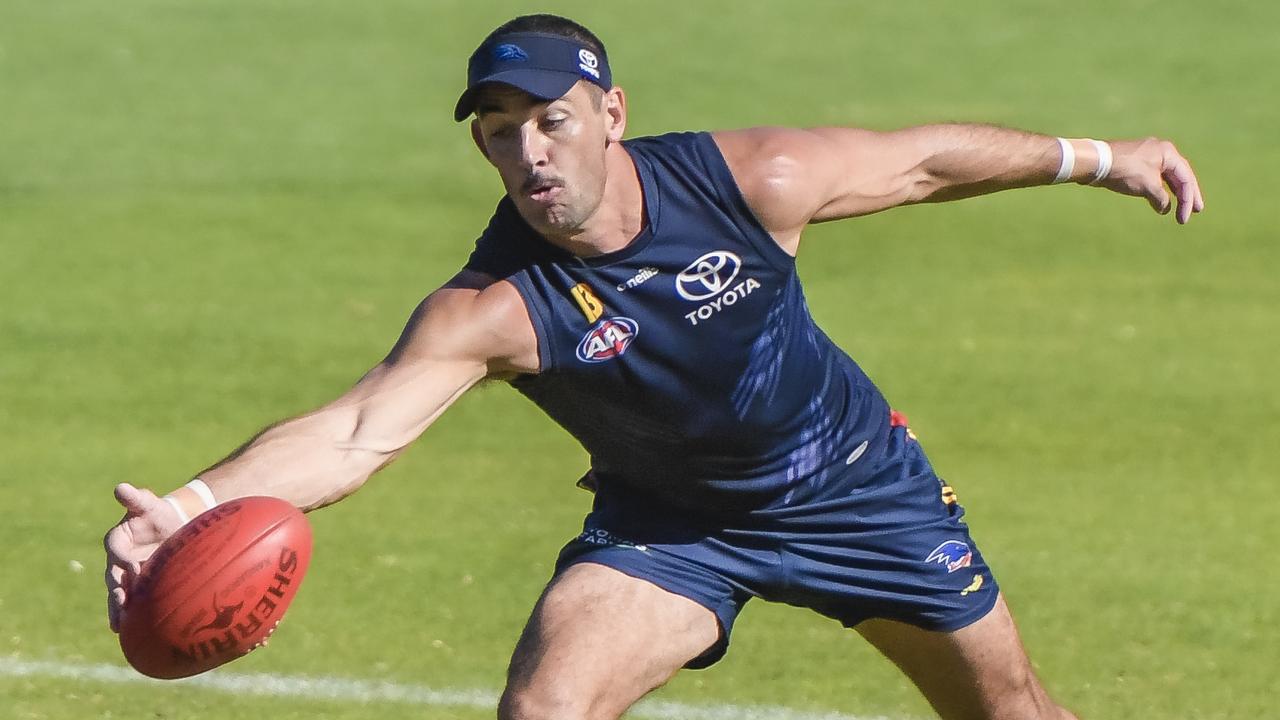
(563, 220)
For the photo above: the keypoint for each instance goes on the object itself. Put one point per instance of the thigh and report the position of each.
(979, 671)
(597, 641)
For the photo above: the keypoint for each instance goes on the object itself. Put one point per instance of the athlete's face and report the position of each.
(551, 155)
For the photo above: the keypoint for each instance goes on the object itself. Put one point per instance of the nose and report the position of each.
(533, 146)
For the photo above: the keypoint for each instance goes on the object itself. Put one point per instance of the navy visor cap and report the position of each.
(545, 66)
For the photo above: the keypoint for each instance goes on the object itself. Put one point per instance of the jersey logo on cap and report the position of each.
(588, 303)
(608, 339)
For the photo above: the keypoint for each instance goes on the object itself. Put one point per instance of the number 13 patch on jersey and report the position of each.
(588, 303)
(608, 339)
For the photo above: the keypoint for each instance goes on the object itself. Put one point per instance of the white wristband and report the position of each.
(177, 507)
(1068, 161)
(202, 491)
(1104, 161)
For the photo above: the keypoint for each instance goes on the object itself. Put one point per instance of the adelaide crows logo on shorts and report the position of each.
(953, 554)
(608, 339)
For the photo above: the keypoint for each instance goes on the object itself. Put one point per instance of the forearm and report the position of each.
(319, 458)
(857, 172)
(959, 161)
(311, 461)
(949, 162)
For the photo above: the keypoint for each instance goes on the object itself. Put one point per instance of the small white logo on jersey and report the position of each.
(587, 62)
(645, 274)
(857, 453)
(708, 276)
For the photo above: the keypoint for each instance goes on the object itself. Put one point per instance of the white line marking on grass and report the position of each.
(368, 691)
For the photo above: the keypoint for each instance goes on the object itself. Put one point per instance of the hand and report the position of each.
(147, 521)
(1143, 168)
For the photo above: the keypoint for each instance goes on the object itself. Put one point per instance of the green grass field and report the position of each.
(217, 214)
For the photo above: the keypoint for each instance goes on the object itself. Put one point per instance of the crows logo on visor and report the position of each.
(510, 52)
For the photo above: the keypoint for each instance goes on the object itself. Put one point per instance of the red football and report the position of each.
(215, 589)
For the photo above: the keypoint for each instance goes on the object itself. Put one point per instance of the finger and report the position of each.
(1183, 183)
(1159, 199)
(1188, 175)
(115, 597)
(1186, 196)
(115, 609)
(121, 576)
(134, 500)
(119, 546)
(117, 543)
(117, 594)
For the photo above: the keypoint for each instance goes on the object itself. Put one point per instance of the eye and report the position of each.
(553, 123)
(502, 131)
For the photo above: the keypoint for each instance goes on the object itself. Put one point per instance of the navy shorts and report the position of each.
(894, 547)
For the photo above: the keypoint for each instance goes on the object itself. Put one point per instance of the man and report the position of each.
(644, 295)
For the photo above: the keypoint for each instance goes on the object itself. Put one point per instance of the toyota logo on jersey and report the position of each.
(708, 276)
(608, 339)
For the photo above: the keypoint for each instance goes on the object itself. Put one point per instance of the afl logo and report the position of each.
(708, 276)
(608, 339)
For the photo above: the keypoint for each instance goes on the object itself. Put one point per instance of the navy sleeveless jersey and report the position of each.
(687, 363)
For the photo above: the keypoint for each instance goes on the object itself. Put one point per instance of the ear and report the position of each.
(478, 138)
(615, 112)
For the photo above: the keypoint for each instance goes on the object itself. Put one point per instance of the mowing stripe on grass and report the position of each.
(367, 691)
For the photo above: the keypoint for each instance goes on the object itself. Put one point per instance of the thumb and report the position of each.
(134, 500)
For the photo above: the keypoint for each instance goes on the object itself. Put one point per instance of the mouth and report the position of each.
(544, 192)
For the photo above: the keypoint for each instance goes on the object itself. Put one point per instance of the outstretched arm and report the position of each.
(458, 336)
(792, 177)
(454, 339)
